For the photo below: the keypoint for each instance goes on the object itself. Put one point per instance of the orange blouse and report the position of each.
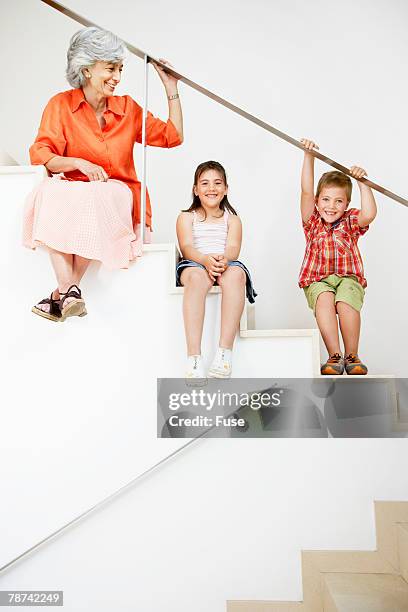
(69, 127)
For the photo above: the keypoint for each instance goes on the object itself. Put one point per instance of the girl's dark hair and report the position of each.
(201, 168)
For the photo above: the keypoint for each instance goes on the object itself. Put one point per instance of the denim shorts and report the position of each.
(188, 263)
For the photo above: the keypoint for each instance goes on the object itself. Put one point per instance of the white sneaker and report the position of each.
(195, 367)
(221, 366)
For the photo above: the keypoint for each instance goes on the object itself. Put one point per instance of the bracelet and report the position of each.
(173, 97)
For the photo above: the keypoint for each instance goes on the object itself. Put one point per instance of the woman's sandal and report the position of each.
(53, 314)
(76, 307)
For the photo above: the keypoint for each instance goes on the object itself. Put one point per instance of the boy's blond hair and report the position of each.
(335, 179)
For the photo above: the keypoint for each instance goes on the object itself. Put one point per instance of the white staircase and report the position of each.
(83, 391)
(79, 421)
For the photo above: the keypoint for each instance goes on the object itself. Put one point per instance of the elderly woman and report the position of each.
(92, 210)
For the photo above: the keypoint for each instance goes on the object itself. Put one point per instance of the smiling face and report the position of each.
(210, 189)
(103, 77)
(331, 203)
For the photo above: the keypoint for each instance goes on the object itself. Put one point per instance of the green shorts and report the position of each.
(345, 288)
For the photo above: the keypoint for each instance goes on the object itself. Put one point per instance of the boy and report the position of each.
(332, 273)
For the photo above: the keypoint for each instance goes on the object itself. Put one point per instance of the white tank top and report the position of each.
(210, 237)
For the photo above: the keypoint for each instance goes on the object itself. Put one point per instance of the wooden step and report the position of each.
(403, 549)
(264, 606)
(345, 592)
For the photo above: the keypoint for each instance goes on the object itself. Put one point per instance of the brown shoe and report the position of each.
(334, 365)
(76, 305)
(52, 312)
(354, 366)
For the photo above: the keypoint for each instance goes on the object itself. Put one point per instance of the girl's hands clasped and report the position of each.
(215, 265)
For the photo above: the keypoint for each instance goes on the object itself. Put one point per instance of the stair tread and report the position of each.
(355, 376)
(367, 592)
(264, 606)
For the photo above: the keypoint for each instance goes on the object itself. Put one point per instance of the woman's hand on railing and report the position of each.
(170, 85)
(168, 80)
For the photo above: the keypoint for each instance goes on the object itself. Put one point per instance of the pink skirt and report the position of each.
(91, 219)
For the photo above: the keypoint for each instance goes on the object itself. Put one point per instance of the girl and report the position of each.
(209, 234)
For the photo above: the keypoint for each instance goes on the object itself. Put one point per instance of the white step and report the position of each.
(365, 593)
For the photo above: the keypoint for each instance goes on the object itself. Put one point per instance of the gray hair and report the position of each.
(91, 45)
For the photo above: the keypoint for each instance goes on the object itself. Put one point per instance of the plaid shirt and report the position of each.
(331, 248)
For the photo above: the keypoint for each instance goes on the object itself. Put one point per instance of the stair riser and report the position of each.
(403, 550)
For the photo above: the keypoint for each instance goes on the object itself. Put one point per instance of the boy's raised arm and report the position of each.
(307, 198)
(368, 210)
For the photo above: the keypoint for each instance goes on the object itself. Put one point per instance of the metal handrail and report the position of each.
(236, 109)
(102, 503)
(106, 500)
